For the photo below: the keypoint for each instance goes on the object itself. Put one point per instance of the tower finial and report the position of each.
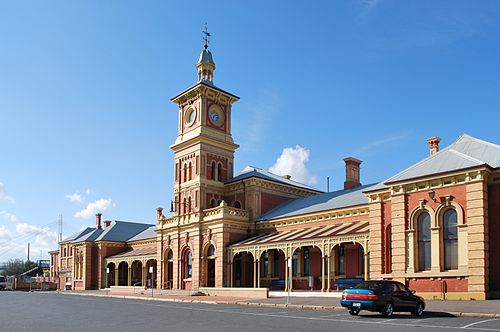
(206, 36)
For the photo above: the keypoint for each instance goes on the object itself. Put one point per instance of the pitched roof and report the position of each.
(250, 171)
(465, 152)
(135, 252)
(118, 231)
(321, 202)
(148, 233)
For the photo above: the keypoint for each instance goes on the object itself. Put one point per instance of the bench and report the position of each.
(277, 284)
(348, 282)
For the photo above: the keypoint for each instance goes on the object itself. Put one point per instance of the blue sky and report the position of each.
(86, 121)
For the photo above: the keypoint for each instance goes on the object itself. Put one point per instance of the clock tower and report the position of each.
(204, 148)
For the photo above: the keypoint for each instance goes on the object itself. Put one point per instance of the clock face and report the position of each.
(214, 116)
(190, 116)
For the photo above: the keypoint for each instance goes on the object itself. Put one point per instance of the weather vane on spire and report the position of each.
(206, 37)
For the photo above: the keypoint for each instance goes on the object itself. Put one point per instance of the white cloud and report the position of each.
(8, 216)
(293, 162)
(4, 195)
(4, 234)
(92, 208)
(43, 235)
(76, 197)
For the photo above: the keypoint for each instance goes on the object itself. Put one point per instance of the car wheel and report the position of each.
(388, 310)
(354, 312)
(419, 310)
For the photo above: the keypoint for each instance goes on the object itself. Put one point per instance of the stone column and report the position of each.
(398, 237)
(143, 275)
(410, 239)
(435, 250)
(116, 274)
(375, 224)
(232, 273)
(477, 238)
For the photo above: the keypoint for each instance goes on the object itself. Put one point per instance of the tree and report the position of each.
(17, 266)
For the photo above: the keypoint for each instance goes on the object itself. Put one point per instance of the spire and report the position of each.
(205, 65)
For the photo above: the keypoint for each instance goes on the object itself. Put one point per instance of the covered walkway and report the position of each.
(318, 256)
(132, 268)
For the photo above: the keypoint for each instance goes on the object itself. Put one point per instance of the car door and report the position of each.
(404, 296)
(398, 296)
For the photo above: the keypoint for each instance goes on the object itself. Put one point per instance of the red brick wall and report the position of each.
(458, 193)
(351, 262)
(446, 284)
(494, 235)
(270, 201)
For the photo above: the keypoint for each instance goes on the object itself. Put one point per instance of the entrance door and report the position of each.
(170, 275)
(211, 273)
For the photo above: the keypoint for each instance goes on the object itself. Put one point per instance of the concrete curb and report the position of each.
(265, 305)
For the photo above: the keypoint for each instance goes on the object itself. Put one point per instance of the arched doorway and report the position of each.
(210, 261)
(136, 275)
(168, 270)
(110, 275)
(186, 269)
(347, 261)
(243, 270)
(307, 268)
(151, 276)
(272, 269)
(123, 274)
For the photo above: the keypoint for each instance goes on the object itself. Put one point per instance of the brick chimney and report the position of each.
(107, 223)
(433, 144)
(351, 172)
(98, 220)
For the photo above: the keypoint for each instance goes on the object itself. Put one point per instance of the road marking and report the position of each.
(480, 322)
(391, 322)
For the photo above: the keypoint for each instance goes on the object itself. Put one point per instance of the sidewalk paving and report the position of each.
(486, 309)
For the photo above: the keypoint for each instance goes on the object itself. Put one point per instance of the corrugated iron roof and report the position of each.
(118, 231)
(250, 171)
(337, 229)
(465, 152)
(149, 233)
(321, 202)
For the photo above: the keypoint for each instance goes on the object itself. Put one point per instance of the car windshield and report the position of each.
(371, 285)
(2, 279)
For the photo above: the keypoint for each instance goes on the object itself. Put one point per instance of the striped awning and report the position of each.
(338, 229)
(134, 253)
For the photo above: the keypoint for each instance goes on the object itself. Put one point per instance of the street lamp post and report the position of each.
(151, 270)
(107, 277)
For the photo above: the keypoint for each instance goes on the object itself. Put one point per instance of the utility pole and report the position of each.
(60, 228)
(327, 184)
(28, 251)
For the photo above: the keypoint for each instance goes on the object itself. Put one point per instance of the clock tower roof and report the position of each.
(206, 57)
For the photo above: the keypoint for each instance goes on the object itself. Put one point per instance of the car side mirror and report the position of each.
(412, 292)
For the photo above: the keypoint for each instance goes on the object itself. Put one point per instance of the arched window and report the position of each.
(190, 171)
(219, 172)
(265, 264)
(237, 205)
(450, 240)
(189, 204)
(306, 261)
(211, 251)
(185, 172)
(213, 203)
(212, 171)
(184, 205)
(189, 264)
(170, 256)
(424, 241)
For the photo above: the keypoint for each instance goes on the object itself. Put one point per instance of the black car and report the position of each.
(382, 296)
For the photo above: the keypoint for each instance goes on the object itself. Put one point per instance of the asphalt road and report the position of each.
(21, 311)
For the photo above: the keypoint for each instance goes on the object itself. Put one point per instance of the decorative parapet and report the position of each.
(223, 211)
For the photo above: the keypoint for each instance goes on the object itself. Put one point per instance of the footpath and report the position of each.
(483, 309)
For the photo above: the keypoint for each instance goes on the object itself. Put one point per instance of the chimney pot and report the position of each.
(107, 223)
(98, 220)
(352, 174)
(433, 145)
